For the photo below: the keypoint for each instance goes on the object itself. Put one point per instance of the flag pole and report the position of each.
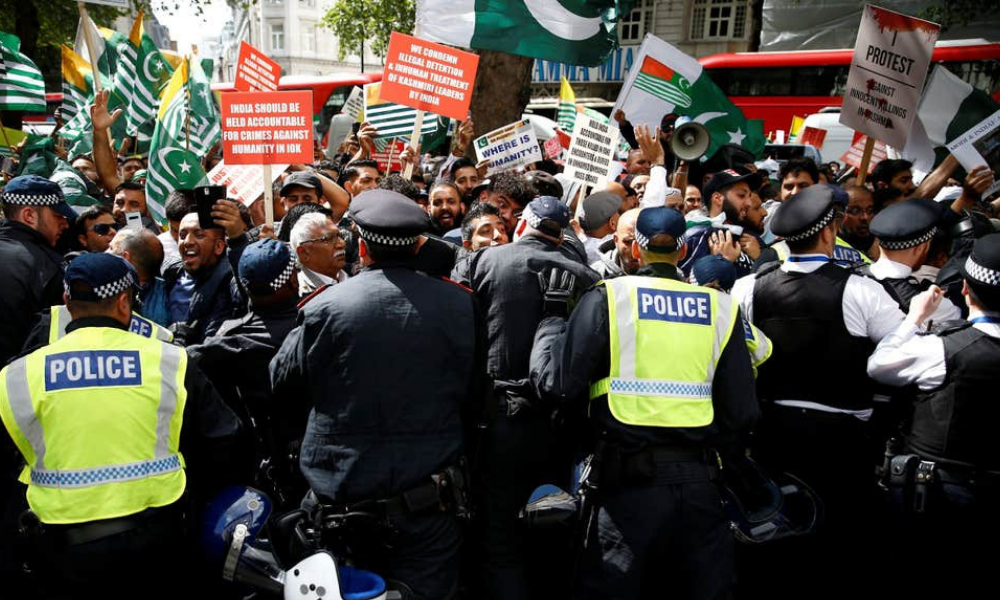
(88, 34)
(187, 113)
(266, 168)
(418, 124)
(5, 140)
(866, 158)
(392, 147)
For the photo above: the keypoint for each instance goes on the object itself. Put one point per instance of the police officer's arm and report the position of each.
(568, 355)
(288, 377)
(211, 437)
(734, 397)
(903, 357)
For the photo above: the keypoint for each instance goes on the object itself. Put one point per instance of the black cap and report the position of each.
(546, 208)
(982, 268)
(302, 179)
(265, 266)
(544, 184)
(907, 224)
(598, 208)
(724, 178)
(388, 218)
(659, 220)
(805, 214)
(32, 190)
(107, 275)
(713, 268)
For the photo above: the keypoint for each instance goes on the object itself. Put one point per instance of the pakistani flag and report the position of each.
(948, 108)
(22, 86)
(391, 119)
(78, 83)
(567, 106)
(173, 163)
(142, 73)
(669, 81)
(578, 32)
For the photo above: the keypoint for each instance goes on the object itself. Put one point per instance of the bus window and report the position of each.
(767, 81)
(819, 81)
(984, 75)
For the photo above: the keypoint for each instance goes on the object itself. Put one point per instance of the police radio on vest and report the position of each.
(92, 368)
(678, 307)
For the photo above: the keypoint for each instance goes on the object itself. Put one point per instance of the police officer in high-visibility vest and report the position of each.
(817, 400)
(668, 376)
(101, 417)
(945, 481)
(52, 324)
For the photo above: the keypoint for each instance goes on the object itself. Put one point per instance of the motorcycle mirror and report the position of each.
(549, 505)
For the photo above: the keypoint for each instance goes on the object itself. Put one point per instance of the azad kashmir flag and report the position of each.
(108, 42)
(142, 72)
(391, 119)
(544, 29)
(21, 84)
(948, 108)
(567, 106)
(173, 159)
(78, 83)
(664, 80)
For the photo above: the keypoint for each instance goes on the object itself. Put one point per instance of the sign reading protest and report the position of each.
(255, 72)
(267, 127)
(355, 104)
(980, 146)
(855, 153)
(509, 147)
(243, 182)
(588, 159)
(390, 158)
(890, 63)
(428, 76)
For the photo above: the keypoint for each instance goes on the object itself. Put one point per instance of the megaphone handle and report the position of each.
(680, 180)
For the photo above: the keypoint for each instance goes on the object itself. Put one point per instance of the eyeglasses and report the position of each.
(103, 228)
(342, 234)
(854, 211)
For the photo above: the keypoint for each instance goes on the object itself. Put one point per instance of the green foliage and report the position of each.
(958, 12)
(358, 22)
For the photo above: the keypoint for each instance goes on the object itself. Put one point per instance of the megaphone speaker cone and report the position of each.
(690, 141)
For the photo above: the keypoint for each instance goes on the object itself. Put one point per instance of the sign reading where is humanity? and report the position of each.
(255, 72)
(891, 58)
(509, 147)
(591, 150)
(244, 183)
(428, 76)
(267, 127)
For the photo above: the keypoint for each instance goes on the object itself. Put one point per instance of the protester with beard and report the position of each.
(94, 228)
(728, 196)
(179, 203)
(320, 246)
(855, 228)
(465, 177)
(131, 197)
(482, 228)
(445, 207)
(618, 259)
(199, 296)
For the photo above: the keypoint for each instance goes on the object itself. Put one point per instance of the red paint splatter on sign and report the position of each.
(893, 21)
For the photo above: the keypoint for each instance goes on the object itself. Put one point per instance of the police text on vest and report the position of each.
(92, 368)
(677, 307)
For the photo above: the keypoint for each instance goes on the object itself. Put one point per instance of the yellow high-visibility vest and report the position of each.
(60, 318)
(97, 415)
(844, 254)
(666, 340)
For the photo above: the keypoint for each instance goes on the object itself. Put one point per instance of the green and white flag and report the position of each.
(578, 32)
(22, 86)
(206, 122)
(108, 43)
(142, 73)
(664, 80)
(173, 163)
(78, 83)
(72, 184)
(948, 108)
(391, 119)
(567, 106)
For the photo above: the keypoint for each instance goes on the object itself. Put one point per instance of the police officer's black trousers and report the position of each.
(667, 538)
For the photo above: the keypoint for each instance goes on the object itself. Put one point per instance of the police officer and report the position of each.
(520, 450)
(101, 417)
(387, 360)
(35, 214)
(236, 361)
(52, 323)
(824, 322)
(950, 478)
(905, 231)
(679, 385)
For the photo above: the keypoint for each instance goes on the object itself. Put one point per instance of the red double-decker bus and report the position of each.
(775, 86)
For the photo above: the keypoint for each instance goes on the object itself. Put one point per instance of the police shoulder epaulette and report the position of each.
(946, 327)
(315, 293)
(767, 267)
(863, 269)
(464, 287)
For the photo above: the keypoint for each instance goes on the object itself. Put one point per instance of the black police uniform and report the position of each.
(660, 514)
(520, 449)
(387, 359)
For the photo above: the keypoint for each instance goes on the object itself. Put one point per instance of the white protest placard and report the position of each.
(355, 104)
(243, 182)
(591, 150)
(115, 3)
(980, 146)
(891, 58)
(509, 147)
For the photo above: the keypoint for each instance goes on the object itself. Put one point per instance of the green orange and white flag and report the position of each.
(391, 119)
(78, 83)
(22, 86)
(173, 163)
(142, 73)
(795, 130)
(669, 81)
(107, 47)
(582, 35)
(567, 106)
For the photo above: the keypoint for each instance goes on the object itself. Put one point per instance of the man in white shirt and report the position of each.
(320, 247)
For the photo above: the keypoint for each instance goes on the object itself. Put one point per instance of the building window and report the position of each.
(309, 3)
(308, 31)
(635, 25)
(275, 2)
(719, 20)
(277, 36)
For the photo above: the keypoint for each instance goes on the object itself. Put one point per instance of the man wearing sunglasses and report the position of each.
(321, 248)
(95, 228)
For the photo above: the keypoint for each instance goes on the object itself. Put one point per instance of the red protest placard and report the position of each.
(266, 128)
(553, 147)
(856, 151)
(390, 159)
(814, 136)
(255, 72)
(428, 76)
